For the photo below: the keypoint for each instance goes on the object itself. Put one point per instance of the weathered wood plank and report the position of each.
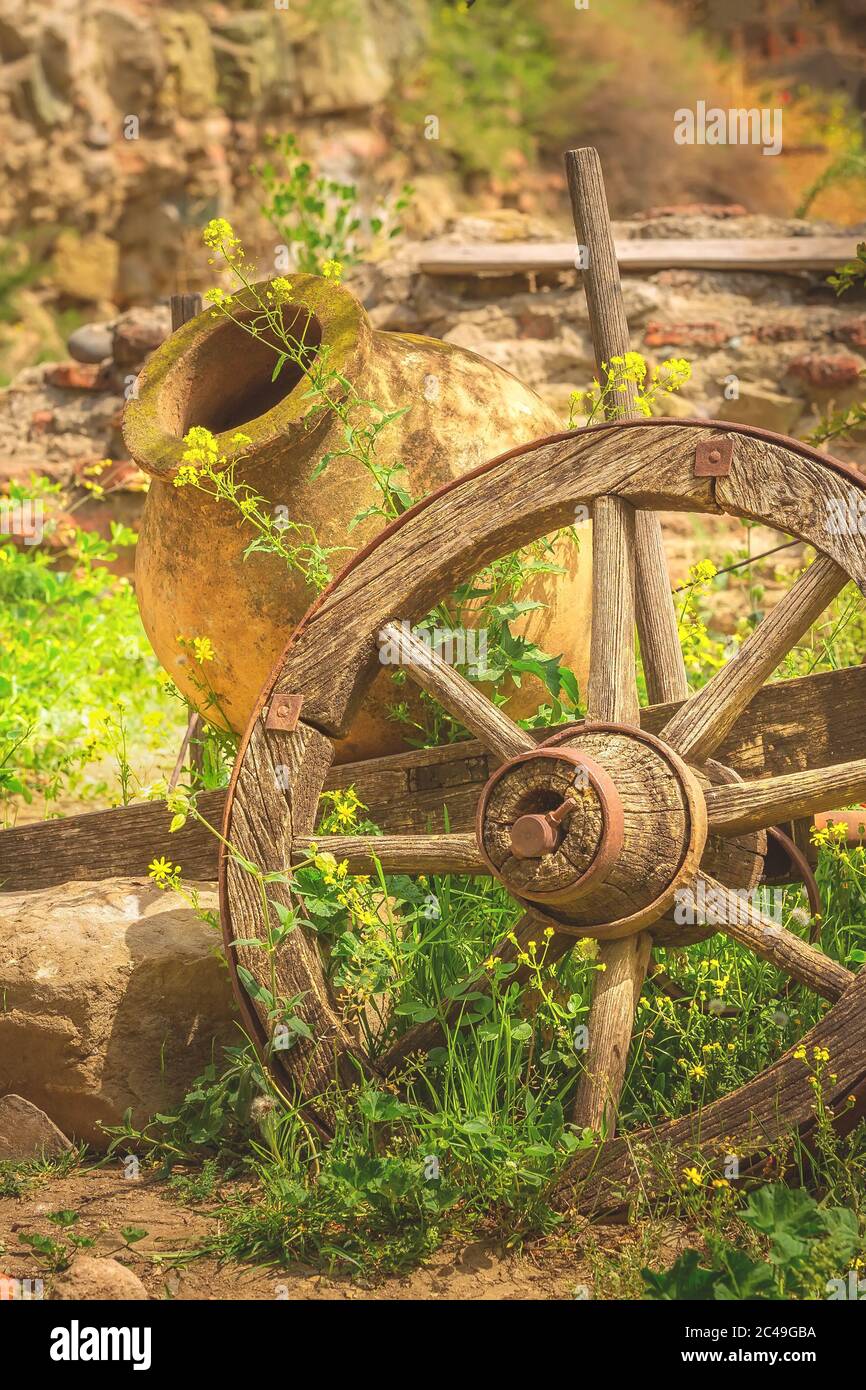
(120, 842)
(611, 1022)
(701, 724)
(732, 913)
(262, 822)
(647, 570)
(744, 1122)
(661, 653)
(770, 255)
(758, 805)
(612, 693)
(811, 721)
(463, 700)
(811, 500)
(397, 854)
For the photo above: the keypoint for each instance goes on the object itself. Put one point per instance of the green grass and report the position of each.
(84, 716)
(472, 1138)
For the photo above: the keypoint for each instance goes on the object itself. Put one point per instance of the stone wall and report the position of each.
(766, 349)
(125, 126)
(782, 347)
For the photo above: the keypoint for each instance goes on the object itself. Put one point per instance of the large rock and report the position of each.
(26, 1131)
(113, 998)
(92, 1277)
(758, 405)
(137, 333)
(85, 268)
(90, 343)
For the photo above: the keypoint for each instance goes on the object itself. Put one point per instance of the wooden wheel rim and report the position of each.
(651, 464)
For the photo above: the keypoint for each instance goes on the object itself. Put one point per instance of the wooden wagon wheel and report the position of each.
(600, 829)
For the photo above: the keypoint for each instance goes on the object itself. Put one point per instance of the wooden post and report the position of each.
(183, 308)
(623, 963)
(656, 618)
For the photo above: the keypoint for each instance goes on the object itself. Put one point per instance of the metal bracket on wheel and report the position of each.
(713, 458)
(284, 712)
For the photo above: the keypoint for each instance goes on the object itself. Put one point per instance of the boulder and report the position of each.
(757, 405)
(85, 267)
(132, 62)
(115, 997)
(137, 333)
(90, 343)
(190, 87)
(26, 1131)
(92, 1277)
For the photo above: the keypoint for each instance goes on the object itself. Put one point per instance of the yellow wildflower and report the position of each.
(219, 233)
(203, 649)
(161, 868)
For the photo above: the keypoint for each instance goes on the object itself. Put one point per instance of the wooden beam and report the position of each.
(407, 792)
(772, 256)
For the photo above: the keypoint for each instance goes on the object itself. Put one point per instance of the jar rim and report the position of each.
(206, 358)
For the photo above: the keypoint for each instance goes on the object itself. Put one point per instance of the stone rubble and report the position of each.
(768, 350)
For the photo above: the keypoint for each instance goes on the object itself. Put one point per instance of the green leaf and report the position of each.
(254, 989)
(380, 1108)
(686, 1279)
(132, 1234)
(788, 1217)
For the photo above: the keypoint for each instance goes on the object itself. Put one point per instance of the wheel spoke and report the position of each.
(611, 1023)
(421, 854)
(612, 692)
(699, 726)
(733, 913)
(745, 806)
(661, 653)
(459, 696)
(421, 1037)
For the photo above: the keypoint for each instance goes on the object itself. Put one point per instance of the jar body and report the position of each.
(192, 579)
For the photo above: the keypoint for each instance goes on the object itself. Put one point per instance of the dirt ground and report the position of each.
(165, 1260)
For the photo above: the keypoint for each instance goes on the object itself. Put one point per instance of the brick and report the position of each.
(77, 376)
(711, 334)
(826, 370)
(852, 332)
(780, 332)
(530, 325)
(40, 421)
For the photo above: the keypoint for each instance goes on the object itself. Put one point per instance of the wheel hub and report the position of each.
(599, 824)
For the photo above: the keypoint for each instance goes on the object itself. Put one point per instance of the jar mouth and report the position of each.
(229, 375)
(214, 374)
